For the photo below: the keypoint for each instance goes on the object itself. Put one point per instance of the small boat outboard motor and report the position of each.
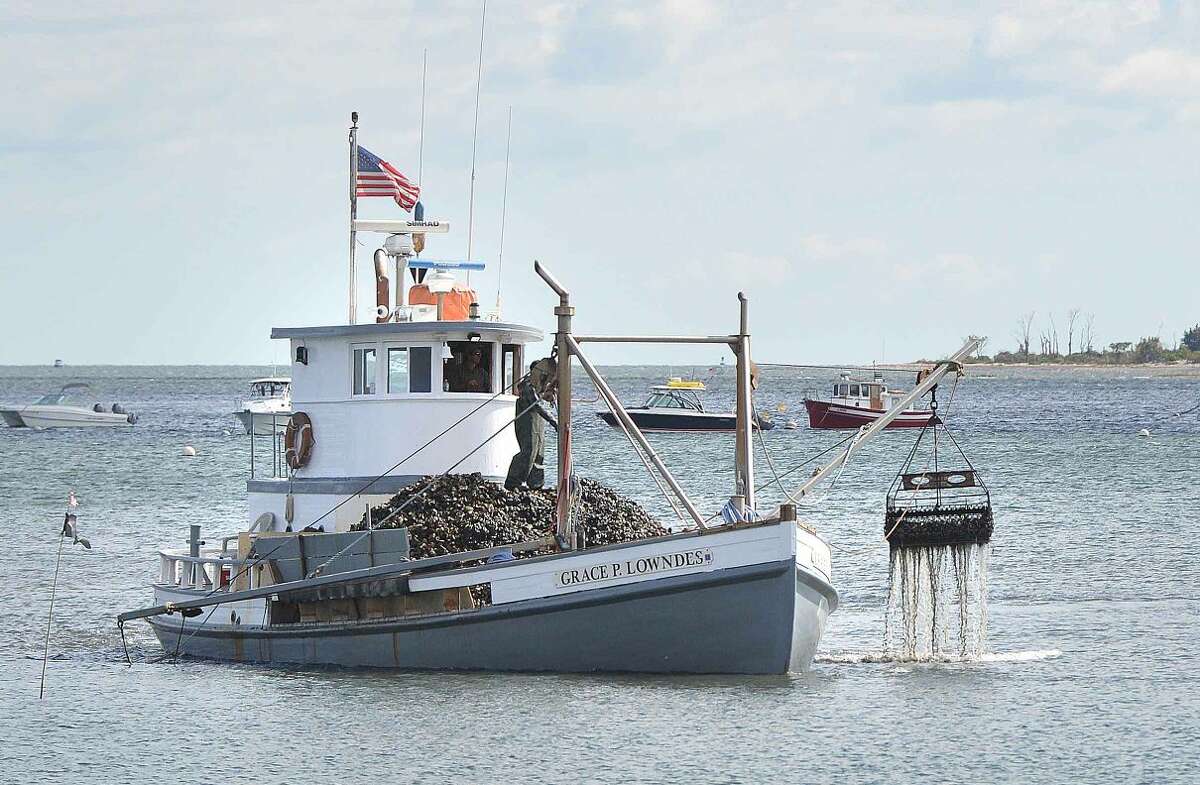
(132, 418)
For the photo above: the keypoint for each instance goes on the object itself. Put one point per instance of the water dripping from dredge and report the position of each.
(938, 526)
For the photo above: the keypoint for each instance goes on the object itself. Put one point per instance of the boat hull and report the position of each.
(43, 417)
(687, 421)
(263, 424)
(823, 414)
(761, 617)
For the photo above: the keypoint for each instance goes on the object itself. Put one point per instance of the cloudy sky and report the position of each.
(881, 180)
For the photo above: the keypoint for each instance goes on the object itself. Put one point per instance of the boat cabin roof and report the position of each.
(50, 399)
(443, 330)
(271, 380)
(675, 383)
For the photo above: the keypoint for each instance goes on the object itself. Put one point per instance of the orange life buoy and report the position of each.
(298, 440)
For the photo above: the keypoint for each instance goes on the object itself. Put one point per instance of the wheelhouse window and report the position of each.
(409, 369)
(665, 401)
(397, 369)
(511, 362)
(843, 390)
(364, 370)
(469, 368)
(854, 391)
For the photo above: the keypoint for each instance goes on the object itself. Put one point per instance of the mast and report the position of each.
(353, 201)
(421, 132)
(744, 454)
(564, 531)
(474, 139)
(503, 214)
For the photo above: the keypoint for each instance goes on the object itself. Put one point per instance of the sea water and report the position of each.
(1088, 672)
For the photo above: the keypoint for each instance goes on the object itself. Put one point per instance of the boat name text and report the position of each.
(647, 565)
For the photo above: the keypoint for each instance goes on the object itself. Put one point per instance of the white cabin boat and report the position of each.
(858, 402)
(269, 406)
(61, 410)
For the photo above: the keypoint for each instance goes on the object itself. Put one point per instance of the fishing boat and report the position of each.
(397, 403)
(61, 410)
(857, 402)
(676, 406)
(269, 406)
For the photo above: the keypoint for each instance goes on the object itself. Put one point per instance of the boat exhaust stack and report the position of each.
(564, 527)
(383, 311)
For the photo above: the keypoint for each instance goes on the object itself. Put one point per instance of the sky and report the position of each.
(880, 179)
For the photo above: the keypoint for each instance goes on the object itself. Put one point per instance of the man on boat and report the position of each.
(527, 465)
(472, 375)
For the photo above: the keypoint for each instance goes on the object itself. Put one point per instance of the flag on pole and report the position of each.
(377, 177)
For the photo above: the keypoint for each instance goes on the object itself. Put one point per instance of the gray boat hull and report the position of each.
(759, 619)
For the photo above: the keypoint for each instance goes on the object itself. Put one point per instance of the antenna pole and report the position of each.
(421, 143)
(503, 213)
(353, 201)
(475, 138)
(50, 616)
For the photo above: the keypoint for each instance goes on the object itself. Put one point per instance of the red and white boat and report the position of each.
(856, 402)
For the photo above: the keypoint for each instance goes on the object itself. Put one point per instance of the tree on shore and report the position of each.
(1024, 329)
(1072, 318)
(1086, 337)
(1149, 350)
(1081, 339)
(1191, 339)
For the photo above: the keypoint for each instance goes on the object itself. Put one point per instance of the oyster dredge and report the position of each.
(426, 394)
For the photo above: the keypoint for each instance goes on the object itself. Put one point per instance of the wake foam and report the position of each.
(883, 657)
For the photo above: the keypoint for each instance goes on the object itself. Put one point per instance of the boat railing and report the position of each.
(258, 451)
(215, 569)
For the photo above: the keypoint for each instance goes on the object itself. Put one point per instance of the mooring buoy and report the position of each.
(189, 451)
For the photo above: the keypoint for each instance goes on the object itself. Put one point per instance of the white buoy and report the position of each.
(189, 451)
(1144, 432)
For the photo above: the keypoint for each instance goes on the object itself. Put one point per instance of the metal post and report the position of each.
(194, 543)
(353, 203)
(562, 339)
(744, 454)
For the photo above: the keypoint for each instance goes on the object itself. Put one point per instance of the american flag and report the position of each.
(377, 177)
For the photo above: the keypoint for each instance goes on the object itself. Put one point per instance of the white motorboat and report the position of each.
(269, 406)
(58, 410)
